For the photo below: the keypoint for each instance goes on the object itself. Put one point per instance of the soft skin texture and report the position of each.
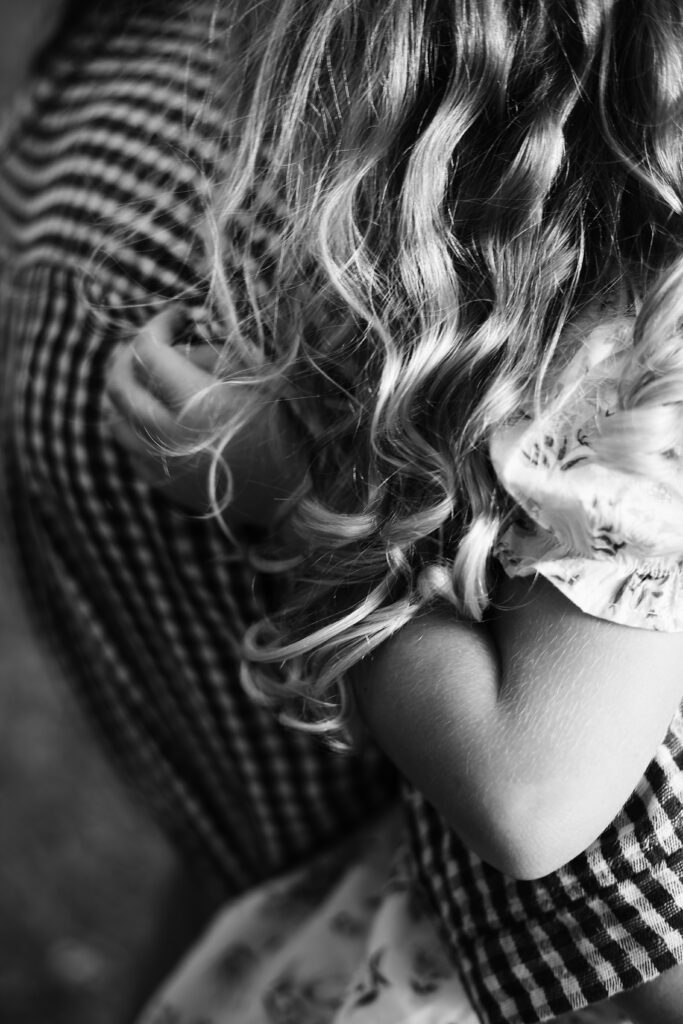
(529, 733)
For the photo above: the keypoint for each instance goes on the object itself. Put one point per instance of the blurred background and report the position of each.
(87, 885)
(83, 873)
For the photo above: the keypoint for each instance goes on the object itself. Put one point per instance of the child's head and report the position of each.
(452, 181)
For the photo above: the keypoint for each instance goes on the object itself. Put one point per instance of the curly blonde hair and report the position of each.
(457, 180)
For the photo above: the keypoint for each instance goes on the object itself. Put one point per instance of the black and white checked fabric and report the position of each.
(100, 178)
(604, 923)
(101, 170)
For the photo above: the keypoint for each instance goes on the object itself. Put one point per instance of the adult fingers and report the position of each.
(203, 355)
(130, 403)
(167, 372)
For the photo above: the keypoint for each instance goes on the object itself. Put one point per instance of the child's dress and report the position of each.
(346, 940)
(358, 946)
(101, 172)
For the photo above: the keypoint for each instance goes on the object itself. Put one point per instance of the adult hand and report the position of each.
(162, 400)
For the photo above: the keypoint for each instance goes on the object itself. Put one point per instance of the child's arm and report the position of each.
(148, 387)
(528, 734)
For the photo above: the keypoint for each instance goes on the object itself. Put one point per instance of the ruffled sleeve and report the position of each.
(611, 541)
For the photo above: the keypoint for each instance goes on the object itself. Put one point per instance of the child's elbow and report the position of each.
(525, 855)
(524, 838)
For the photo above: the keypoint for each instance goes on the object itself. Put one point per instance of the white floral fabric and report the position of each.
(610, 540)
(344, 940)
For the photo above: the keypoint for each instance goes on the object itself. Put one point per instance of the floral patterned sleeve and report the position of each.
(610, 540)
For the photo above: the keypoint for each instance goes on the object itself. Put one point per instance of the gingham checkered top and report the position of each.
(99, 210)
(100, 177)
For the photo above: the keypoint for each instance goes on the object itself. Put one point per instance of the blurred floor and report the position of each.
(82, 873)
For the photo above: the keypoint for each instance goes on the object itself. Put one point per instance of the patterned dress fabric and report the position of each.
(347, 940)
(334, 941)
(610, 540)
(103, 161)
